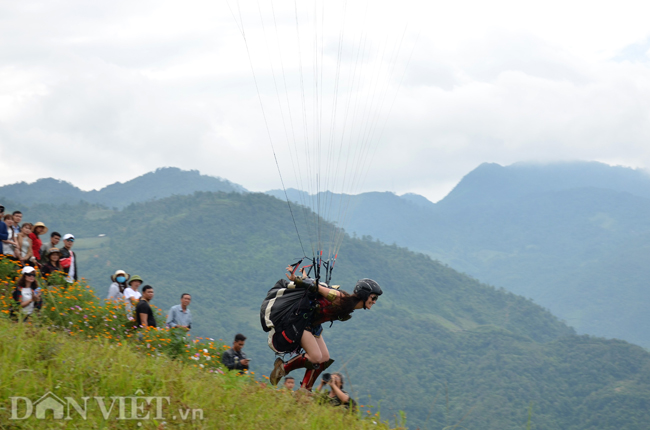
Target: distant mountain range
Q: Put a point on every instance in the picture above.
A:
(163, 182)
(575, 237)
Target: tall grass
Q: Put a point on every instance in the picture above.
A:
(80, 346)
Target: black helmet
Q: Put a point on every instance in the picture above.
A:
(365, 287)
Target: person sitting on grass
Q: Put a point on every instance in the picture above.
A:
(53, 264)
(27, 293)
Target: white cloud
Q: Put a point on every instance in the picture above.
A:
(105, 91)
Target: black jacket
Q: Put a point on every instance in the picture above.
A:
(232, 359)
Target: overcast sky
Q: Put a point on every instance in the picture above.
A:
(404, 96)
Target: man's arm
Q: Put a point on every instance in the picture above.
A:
(144, 318)
(171, 318)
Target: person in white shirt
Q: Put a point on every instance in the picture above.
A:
(27, 293)
(132, 295)
(9, 245)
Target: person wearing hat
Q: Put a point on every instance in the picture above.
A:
(38, 229)
(116, 290)
(53, 263)
(132, 295)
(69, 258)
(27, 295)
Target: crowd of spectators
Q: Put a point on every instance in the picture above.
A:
(125, 288)
(22, 243)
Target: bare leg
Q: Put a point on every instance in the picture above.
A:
(312, 347)
(325, 354)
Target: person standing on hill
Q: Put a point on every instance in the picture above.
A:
(116, 290)
(132, 295)
(235, 358)
(143, 313)
(38, 229)
(18, 218)
(55, 238)
(24, 248)
(68, 258)
(179, 316)
(27, 294)
(9, 245)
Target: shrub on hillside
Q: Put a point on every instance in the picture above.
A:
(76, 310)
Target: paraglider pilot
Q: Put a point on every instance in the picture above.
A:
(300, 326)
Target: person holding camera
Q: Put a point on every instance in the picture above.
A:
(336, 396)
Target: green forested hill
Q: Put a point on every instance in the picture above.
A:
(439, 345)
(160, 183)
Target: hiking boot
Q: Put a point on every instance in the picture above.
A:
(278, 371)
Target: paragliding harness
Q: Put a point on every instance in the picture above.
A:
(288, 310)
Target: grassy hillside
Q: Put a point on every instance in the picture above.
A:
(439, 345)
(36, 361)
